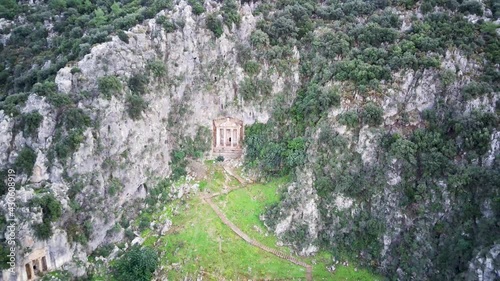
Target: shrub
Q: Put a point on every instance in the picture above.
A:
(230, 13)
(251, 67)
(214, 24)
(25, 161)
(58, 5)
(59, 100)
(137, 83)
(255, 88)
(75, 70)
(75, 118)
(104, 250)
(349, 119)
(156, 67)
(69, 144)
(475, 89)
(137, 264)
(43, 231)
(51, 210)
(45, 88)
(471, 6)
(219, 158)
(372, 114)
(136, 105)
(123, 36)
(31, 121)
(8, 9)
(109, 85)
(161, 20)
(259, 39)
(11, 104)
(51, 207)
(197, 6)
(114, 187)
(129, 234)
(169, 26)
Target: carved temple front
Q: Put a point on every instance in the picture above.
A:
(228, 135)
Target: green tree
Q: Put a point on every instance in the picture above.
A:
(58, 5)
(136, 105)
(372, 114)
(214, 24)
(25, 161)
(109, 85)
(136, 264)
(31, 121)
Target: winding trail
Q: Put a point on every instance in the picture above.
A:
(208, 199)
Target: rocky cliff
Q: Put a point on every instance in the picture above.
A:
(120, 158)
(385, 112)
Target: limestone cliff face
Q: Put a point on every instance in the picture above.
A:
(201, 84)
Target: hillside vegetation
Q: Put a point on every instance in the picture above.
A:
(389, 142)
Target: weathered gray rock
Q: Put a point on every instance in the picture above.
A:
(203, 75)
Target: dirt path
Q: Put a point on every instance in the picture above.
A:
(208, 199)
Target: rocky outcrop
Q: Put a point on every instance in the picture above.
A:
(410, 94)
(486, 265)
(201, 84)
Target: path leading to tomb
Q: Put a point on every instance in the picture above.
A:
(207, 198)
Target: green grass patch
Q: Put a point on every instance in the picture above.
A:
(244, 207)
(200, 244)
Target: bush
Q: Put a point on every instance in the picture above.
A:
(59, 100)
(136, 105)
(43, 231)
(51, 207)
(31, 121)
(219, 158)
(11, 104)
(69, 144)
(137, 264)
(372, 114)
(51, 210)
(109, 85)
(214, 24)
(115, 186)
(471, 6)
(169, 26)
(197, 6)
(259, 39)
(104, 250)
(75, 118)
(349, 119)
(25, 161)
(255, 88)
(476, 89)
(156, 67)
(138, 82)
(123, 36)
(251, 67)
(45, 88)
(230, 13)
(8, 9)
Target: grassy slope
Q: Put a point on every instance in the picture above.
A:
(193, 245)
(200, 244)
(244, 206)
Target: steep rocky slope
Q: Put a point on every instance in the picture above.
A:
(107, 177)
(385, 112)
